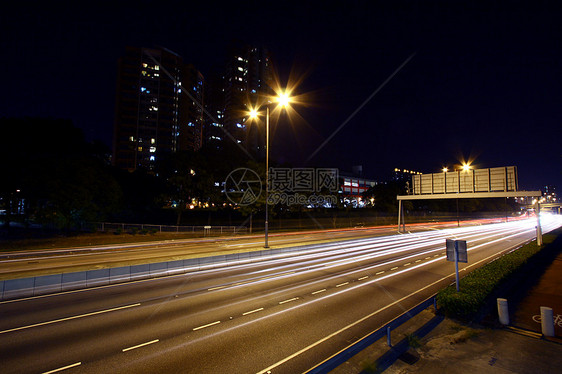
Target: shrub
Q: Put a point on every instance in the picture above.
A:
(479, 284)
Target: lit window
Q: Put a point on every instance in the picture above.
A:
(144, 64)
(143, 89)
(240, 69)
(152, 149)
(152, 158)
(139, 149)
(156, 67)
(152, 141)
(132, 138)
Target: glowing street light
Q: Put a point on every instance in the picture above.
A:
(465, 167)
(445, 169)
(283, 100)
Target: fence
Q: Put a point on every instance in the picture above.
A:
(149, 228)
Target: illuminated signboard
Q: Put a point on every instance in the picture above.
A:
(502, 179)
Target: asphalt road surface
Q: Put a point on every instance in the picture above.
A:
(283, 314)
(22, 264)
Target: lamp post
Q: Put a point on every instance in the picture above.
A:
(266, 244)
(283, 100)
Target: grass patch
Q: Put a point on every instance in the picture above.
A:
(413, 341)
(479, 284)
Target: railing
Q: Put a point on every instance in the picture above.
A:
(385, 330)
(150, 228)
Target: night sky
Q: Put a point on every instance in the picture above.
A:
(482, 82)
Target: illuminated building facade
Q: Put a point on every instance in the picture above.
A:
(246, 81)
(158, 107)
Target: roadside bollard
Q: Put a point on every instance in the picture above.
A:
(503, 311)
(547, 321)
(388, 342)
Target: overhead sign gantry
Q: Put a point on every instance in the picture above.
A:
(466, 184)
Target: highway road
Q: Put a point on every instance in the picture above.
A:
(21, 264)
(283, 314)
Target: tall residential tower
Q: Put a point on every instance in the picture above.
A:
(158, 108)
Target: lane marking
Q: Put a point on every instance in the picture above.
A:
(287, 301)
(252, 311)
(319, 291)
(365, 277)
(342, 284)
(207, 325)
(250, 281)
(394, 268)
(140, 345)
(380, 272)
(63, 368)
(69, 318)
(216, 288)
(418, 261)
(409, 263)
(290, 357)
(428, 257)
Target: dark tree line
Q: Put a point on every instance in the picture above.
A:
(60, 179)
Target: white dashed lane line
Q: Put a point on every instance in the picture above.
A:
(207, 325)
(288, 301)
(140, 345)
(252, 311)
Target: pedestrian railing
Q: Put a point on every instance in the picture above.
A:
(151, 228)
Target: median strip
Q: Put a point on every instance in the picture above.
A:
(140, 345)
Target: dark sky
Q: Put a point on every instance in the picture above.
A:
(484, 82)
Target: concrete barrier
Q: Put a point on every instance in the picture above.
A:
(46, 284)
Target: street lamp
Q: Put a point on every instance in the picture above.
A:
(283, 101)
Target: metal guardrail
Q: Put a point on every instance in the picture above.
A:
(358, 346)
(137, 228)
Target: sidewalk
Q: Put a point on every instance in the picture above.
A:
(452, 347)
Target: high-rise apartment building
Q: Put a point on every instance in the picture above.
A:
(158, 110)
(247, 82)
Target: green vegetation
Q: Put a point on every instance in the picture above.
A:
(479, 284)
(413, 340)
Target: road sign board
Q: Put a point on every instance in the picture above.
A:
(460, 248)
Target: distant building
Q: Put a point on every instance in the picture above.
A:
(246, 82)
(549, 194)
(158, 108)
(353, 185)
